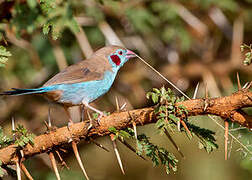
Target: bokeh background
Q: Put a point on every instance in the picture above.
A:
(187, 41)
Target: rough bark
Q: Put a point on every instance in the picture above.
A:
(229, 107)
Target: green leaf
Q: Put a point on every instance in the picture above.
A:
(155, 98)
(23, 137)
(173, 117)
(160, 123)
(148, 95)
(4, 54)
(206, 138)
(124, 134)
(158, 155)
(46, 28)
(113, 130)
(32, 3)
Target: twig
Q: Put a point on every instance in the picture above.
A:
(226, 139)
(238, 81)
(63, 163)
(109, 34)
(59, 55)
(26, 172)
(222, 107)
(83, 42)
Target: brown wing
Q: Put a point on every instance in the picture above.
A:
(83, 71)
(88, 70)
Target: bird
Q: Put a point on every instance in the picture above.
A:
(83, 82)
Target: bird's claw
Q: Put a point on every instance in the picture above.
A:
(100, 116)
(69, 124)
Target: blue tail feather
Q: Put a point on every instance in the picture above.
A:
(17, 92)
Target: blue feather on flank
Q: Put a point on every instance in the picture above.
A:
(73, 93)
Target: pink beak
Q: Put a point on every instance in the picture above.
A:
(130, 54)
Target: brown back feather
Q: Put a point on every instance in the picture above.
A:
(88, 70)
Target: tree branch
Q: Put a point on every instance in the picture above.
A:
(229, 107)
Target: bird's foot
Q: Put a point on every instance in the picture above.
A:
(101, 114)
(69, 124)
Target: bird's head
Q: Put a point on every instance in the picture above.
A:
(119, 56)
(116, 56)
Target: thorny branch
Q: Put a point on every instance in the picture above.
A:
(228, 107)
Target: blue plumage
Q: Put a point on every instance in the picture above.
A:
(83, 82)
(85, 91)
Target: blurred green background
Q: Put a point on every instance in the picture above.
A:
(187, 41)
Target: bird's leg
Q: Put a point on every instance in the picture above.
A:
(70, 121)
(82, 112)
(94, 109)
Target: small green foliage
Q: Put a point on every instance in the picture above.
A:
(248, 55)
(23, 137)
(58, 16)
(32, 3)
(52, 16)
(4, 54)
(4, 140)
(144, 21)
(122, 134)
(157, 154)
(206, 137)
(169, 116)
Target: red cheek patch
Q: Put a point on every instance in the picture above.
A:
(116, 59)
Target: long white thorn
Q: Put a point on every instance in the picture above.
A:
(135, 130)
(230, 134)
(245, 85)
(18, 170)
(123, 106)
(77, 155)
(49, 117)
(152, 68)
(117, 104)
(117, 154)
(54, 165)
(196, 91)
(13, 123)
(13, 128)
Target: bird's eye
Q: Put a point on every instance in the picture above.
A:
(120, 52)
